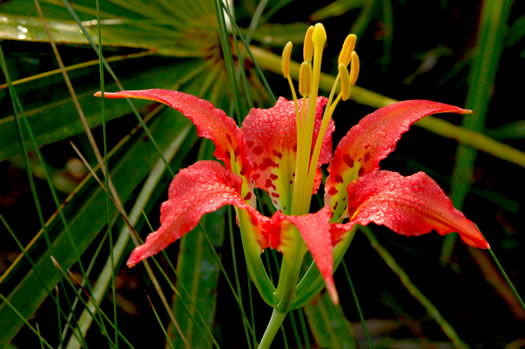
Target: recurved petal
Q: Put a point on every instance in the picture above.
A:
(370, 141)
(201, 188)
(410, 206)
(271, 145)
(211, 123)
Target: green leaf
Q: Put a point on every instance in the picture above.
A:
(58, 120)
(170, 43)
(512, 130)
(279, 34)
(329, 325)
(151, 192)
(431, 309)
(489, 47)
(198, 274)
(85, 222)
(337, 8)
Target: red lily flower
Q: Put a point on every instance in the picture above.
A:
(264, 151)
(271, 152)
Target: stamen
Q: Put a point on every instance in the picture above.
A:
(354, 68)
(345, 81)
(308, 47)
(285, 63)
(305, 78)
(309, 76)
(302, 188)
(348, 48)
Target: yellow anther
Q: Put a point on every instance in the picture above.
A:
(354, 68)
(348, 48)
(308, 47)
(285, 63)
(305, 78)
(345, 81)
(319, 36)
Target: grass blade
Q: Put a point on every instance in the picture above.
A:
(101, 285)
(84, 223)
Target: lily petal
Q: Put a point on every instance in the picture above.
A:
(271, 140)
(315, 230)
(369, 142)
(211, 123)
(201, 188)
(409, 206)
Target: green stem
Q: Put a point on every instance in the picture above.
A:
(288, 277)
(271, 330)
(253, 260)
(285, 293)
(290, 269)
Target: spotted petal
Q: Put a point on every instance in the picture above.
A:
(369, 142)
(210, 122)
(201, 188)
(410, 206)
(271, 140)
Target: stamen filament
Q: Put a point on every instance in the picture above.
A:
(331, 95)
(303, 115)
(312, 166)
(294, 96)
(329, 111)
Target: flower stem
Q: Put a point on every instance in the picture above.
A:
(253, 261)
(288, 278)
(285, 293)
(271, 330)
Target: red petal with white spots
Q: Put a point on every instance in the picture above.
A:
(370, 141)
(271, 143)
(315, 230)
(201, 188)
(210, 122)
(410, 206)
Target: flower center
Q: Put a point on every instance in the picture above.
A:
(308, 152)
